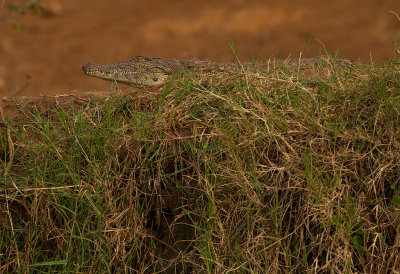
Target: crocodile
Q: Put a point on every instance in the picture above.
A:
(154, 71)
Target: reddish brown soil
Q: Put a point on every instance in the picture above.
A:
(52, 46)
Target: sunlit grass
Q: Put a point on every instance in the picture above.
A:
(282, 171)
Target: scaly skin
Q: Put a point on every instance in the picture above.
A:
(153, 71)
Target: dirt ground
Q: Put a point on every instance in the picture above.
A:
(46, 55)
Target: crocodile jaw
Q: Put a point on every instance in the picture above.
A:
(126, 74)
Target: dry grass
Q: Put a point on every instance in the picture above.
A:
(285, 172)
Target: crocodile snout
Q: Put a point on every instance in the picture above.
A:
(88, 67)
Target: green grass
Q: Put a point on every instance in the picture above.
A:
(281, 172)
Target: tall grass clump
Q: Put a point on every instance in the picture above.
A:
(290, 170)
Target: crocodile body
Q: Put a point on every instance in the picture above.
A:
(152, 71)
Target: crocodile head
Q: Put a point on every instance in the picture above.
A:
(140, 70)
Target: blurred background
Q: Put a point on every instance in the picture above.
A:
(43, 44)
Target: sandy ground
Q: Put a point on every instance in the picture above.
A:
(46, 56)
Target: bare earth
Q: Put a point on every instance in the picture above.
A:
(48, 53)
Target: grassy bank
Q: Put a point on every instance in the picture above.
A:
(290, 171)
